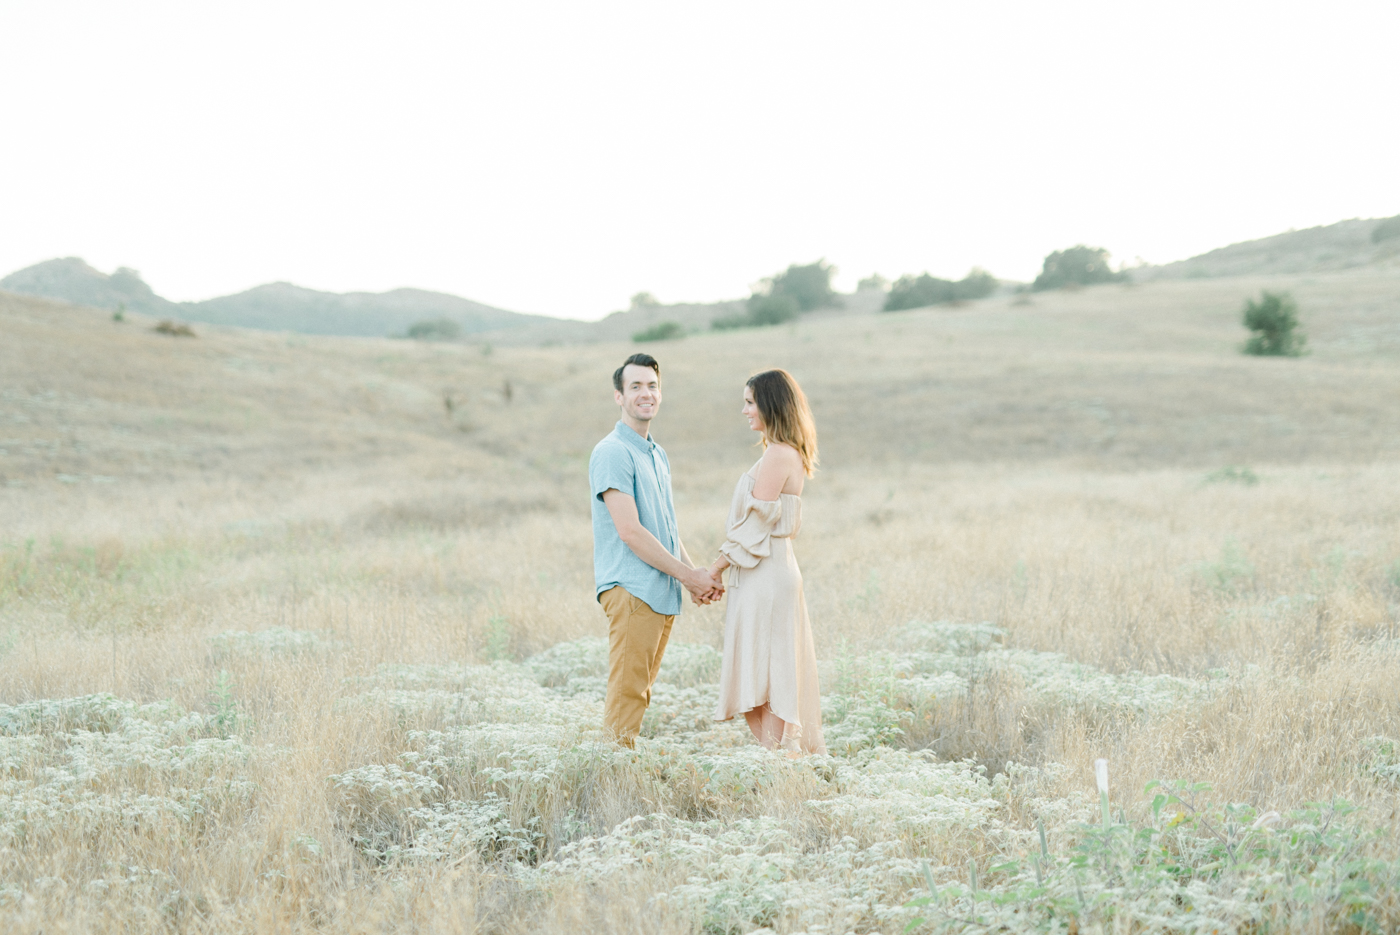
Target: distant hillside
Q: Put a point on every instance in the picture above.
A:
(1344, 245)
(278, 306)
(282, 306)
(71, 280)
(691, 316)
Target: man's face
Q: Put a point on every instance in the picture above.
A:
(640, 396)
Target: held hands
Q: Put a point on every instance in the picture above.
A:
(704, 586)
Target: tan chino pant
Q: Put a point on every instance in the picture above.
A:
(637, 638)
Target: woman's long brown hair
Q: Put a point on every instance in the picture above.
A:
(786, 416)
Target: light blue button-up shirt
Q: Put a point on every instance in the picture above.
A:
(638, 467)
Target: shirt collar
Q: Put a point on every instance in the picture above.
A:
(627, 434)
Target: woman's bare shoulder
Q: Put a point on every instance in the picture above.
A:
(781, 452)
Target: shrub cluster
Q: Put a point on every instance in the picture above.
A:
(923, 290)
(1077, 266)
(661, 331)
(439, 329)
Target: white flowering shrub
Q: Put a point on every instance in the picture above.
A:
(506, 767)
(99, 767)
(940, 661)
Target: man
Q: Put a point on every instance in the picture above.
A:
(639, 563)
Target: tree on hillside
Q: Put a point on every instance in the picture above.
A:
(809, 286)
(873, 283)
(924, 290)
(783, 296)
(1274, 321)
(644, 300)
(1077, 266)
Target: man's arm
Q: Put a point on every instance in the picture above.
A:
(717, 583)
(623, 510)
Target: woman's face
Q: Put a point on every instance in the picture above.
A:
(750, 410)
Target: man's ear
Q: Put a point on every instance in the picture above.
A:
(617, 397)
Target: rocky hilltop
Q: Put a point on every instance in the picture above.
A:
(72, 280)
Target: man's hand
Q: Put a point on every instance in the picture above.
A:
(702, 586)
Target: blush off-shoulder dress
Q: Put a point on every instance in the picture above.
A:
(768, 651)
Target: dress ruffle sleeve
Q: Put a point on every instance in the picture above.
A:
(749, 539)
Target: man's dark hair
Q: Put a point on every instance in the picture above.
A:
(641, 360)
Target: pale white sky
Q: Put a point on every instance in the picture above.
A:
(557, 157)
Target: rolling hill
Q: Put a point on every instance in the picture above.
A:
(283, 306)
(278, 306)
(1347, 244)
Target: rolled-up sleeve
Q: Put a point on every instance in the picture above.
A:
(611, 468)
(749, 540)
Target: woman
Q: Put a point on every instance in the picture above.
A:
(770, 665)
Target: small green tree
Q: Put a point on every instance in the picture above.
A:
(644, 300)
(1274, 321)
(809, 286)
(661, 331)
(1077, 266)
(873, 283)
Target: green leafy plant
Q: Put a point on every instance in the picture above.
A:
(1193, 866)
(1274, 321)
(227, 713)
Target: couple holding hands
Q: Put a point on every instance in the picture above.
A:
(641, 568)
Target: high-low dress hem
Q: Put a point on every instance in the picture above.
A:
(769, 657)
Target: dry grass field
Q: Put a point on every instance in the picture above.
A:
(296, 634)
